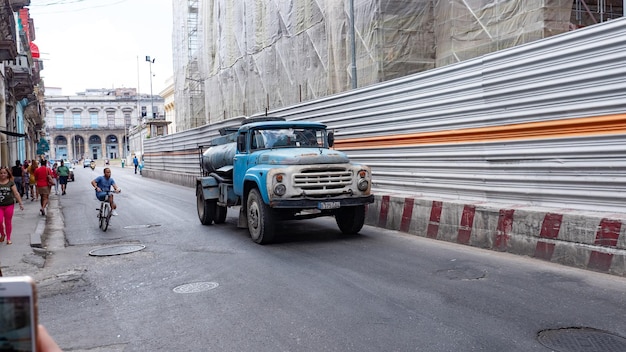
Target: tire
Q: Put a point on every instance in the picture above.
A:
(105, 215)
(261, 223)
(220, 214)
(107, 219)
(206, 208)
(350, 219)
(100, 218)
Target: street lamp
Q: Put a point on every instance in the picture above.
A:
(151, 61)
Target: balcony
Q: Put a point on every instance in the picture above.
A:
(8, 43)
(21, 77)
(18, 4)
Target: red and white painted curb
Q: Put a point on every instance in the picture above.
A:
(594, 241)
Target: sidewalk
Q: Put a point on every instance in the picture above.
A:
(26, 255)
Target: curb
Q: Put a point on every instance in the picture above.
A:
(592, 241)
(35, 237)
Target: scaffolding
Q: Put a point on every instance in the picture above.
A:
(250, 56)
(188, 83)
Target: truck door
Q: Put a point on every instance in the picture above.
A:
(240, 163)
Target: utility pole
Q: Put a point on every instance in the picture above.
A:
(151, 61)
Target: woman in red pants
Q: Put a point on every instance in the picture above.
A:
(8, 196)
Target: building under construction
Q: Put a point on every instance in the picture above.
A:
(235, 58)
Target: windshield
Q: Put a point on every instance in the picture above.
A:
(288, 138)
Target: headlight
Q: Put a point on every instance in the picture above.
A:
(280, 189)
(363, 185)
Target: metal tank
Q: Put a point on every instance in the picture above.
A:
(218, 156)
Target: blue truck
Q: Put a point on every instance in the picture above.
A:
(277, 170)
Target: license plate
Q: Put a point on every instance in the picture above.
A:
(328, 205)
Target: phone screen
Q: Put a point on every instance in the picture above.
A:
(17, 321)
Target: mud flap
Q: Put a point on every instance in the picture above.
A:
(242, 222)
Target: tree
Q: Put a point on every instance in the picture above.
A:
(42, 146)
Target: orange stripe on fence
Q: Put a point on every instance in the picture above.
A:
(578, 127)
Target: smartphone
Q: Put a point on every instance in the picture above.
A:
(18, 314)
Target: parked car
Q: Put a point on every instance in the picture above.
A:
(70, 176)
(86, 163)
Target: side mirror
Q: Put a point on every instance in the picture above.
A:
(331, 139)
(241, 142)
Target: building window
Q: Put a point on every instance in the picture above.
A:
(126, 119)
(59, 119)
(76, 117)
(93, 116)
(111, 119)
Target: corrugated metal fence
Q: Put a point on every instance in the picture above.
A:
(538, 124)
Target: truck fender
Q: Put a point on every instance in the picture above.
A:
(254, 180)
(209, 186)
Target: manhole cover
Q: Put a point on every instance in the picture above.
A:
(116, 250)
(196, 287)
(581, 339)
(141, 226)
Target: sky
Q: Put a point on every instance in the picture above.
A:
(92, 44)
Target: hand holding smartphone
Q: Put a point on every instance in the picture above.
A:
(18, 314)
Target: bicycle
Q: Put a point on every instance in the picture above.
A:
(104, 212)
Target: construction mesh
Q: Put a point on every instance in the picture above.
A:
(245, 57)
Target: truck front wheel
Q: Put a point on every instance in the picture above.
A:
(350, 219)
(206, 208)
(260, 218)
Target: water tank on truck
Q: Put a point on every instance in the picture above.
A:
(218, 156)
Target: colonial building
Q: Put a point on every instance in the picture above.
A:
(170, 109)
(102, 123)
(21, 88)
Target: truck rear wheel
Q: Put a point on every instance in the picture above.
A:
(220, 214)
(206, 208)
(350, 219)
(260, 218)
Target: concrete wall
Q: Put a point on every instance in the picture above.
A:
(594, 241)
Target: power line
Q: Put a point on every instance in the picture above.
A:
(58, 4)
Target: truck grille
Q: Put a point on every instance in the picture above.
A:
(323, 179)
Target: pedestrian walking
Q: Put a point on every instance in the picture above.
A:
(64, 173)
(17, 172)
(55, 176)
(8, 196)
(25, 178)
(31, 180)
(135, 162)
(43, 185)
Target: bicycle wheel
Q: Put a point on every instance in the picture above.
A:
(109, 213)
(105, 215)
(100, 211)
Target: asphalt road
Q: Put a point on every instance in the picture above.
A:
(210, 288)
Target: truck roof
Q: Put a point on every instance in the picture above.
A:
(281, 124)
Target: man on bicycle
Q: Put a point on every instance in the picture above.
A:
(102, 185)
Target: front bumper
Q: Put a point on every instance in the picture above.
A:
(314, 203)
